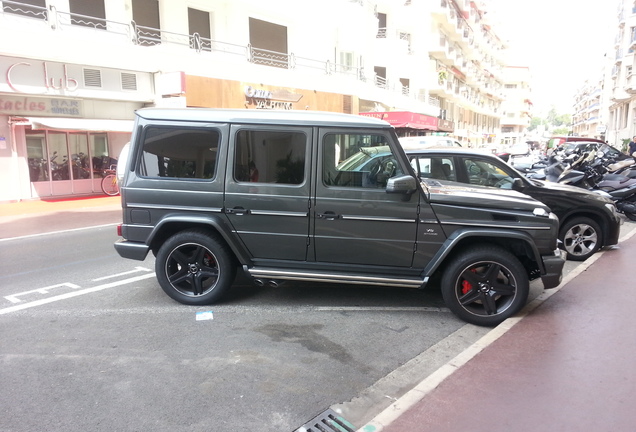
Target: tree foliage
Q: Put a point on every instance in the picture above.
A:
(559, 124)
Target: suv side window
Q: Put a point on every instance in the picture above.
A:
(358, 160)
(484, 173)
(172, 152)
(436, 167)
(270, 157)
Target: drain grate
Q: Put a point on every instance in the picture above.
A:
(328, 421)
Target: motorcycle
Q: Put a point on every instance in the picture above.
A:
(593, 173)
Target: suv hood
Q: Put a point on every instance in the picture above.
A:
(461, 194)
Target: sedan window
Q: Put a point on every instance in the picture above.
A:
(438, 168)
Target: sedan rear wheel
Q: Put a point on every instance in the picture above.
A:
(581, 238)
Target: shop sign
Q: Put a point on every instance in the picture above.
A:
(36, 106)
(271, 99)
(446, 125)
(52, 82)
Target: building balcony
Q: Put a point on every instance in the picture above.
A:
(630, 84)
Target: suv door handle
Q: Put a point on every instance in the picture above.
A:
(328, 215)
(237, 211)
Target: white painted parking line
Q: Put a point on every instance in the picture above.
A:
(137, 269)
(74, 294)
(57, 232)
(14, 298)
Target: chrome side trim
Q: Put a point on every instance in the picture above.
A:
(278, 213)
(507, 226)
(334, 277)
(169, 207)
(376, 219)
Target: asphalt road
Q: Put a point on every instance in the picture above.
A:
(90, 342)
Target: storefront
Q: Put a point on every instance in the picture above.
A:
(407, 123)
(217, 93)
(62, 124)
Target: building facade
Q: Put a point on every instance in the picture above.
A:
(517, 106)
(605, 105)
(74, 71)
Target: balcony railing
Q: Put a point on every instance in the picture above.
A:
(25, 10)
(144, 36)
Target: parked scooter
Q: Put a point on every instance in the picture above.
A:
(592, 173)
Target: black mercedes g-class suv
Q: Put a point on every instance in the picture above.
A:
(287, 195)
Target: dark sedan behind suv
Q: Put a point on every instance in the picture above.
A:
(588, 221)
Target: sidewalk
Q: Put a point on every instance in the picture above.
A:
(55, 205)
(23, 218)
(566, 367)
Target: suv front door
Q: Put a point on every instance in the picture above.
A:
(355, 220)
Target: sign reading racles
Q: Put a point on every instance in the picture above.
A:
(274, 99)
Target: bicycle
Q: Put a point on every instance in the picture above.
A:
(109, 182)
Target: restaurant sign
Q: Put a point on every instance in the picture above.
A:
(271, 99)
(38, 106)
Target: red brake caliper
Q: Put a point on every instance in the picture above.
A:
(467, 286)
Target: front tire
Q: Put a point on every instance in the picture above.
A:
(485, 285)
(194, 268)
(581, 238)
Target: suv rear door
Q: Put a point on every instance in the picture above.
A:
(267, 189)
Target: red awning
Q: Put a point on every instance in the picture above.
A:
(405, 119)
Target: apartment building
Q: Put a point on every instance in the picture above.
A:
(72, 72)
(517, 106)
(605, 107)
(589, 118)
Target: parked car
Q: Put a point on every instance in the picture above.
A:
(588, 221)
(428, 141)
(557, 141)
(318, 211)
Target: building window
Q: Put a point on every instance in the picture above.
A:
(147, 24)
(28, 8)
(199, 29)
(88, 13)
(269, 43)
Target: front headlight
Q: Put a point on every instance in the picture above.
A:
(539, 211)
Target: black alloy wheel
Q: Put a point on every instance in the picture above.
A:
(484, 285)
(195, 268)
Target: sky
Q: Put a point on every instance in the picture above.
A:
(562, 41)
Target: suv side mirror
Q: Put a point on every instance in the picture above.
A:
(517, 184)
(405, 184)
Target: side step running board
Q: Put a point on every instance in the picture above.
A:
(347, 278)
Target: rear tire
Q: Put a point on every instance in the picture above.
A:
(194, 268)
(581, 238)
(484, 285)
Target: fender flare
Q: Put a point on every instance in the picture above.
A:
(458, 236)
(216, 222)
